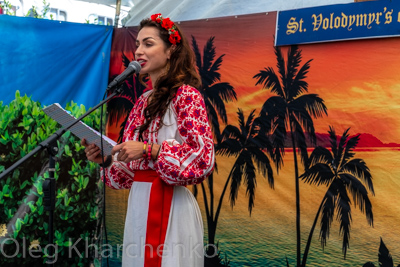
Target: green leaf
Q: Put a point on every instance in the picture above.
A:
(6, 190)
(10, 213)
(18, 224)
(26, 218)
(39, 188)
(67, 151)
(15, 234)
(24, 184)
(57, 234)
(85, 182)
(41, 210)
(67, 200)
(32, 206)
(62, 193)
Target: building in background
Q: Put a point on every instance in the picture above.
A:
(67, 10)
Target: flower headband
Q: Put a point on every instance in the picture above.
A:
(167, 24)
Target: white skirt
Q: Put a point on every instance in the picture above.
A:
(183, 245)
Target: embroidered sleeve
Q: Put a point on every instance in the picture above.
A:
(192, 160)
(120, 175)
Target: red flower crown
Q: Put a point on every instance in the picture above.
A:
(167, 24)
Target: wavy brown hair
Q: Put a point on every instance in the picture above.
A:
(181, 71)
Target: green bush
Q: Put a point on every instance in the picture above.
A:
(23, 219)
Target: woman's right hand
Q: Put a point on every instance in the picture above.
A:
(92, 152)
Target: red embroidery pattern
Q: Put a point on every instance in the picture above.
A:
(178, 164)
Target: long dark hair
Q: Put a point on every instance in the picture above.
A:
(181, 71)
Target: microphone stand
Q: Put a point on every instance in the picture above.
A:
(49, 185)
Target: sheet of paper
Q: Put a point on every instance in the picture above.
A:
(80, 129)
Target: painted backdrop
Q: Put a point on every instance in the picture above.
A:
(307, 145)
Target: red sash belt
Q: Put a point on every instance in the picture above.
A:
(158, 215)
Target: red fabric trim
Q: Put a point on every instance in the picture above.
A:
(158, 216)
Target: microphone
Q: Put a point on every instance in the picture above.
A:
(133, 67)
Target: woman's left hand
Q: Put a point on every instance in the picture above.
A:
(128, 151)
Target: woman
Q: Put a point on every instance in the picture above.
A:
(167, 145)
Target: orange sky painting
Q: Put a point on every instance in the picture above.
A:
(358, 80)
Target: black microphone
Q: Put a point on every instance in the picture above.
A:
(133, 67)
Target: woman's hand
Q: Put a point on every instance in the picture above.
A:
(92, 152)
(128, 151)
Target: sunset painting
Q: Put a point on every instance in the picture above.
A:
(307, 140)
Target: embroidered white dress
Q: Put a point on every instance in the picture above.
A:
(186, 157)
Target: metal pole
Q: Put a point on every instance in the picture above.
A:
(117, 12)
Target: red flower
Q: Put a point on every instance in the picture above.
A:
(175, 38)
(155, 16)
(167, 24)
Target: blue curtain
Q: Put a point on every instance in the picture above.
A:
(53, 61)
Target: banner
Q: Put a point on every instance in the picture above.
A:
(371, 19)
(53, 61)
(348, 213)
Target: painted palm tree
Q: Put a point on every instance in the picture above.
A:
(291, 112)
(248, 147)
(215, 92)
(345, 177)
(384, 257)
(120, 106)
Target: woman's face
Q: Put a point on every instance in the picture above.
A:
(151, 52)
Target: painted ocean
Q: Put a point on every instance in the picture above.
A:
(267, 237)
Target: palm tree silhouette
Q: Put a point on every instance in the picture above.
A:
(384, 257)
(215, 94)
(247, 145)
(344, 176)
(120, 105)
(290, 111)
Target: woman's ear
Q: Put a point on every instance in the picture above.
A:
(170, 50)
